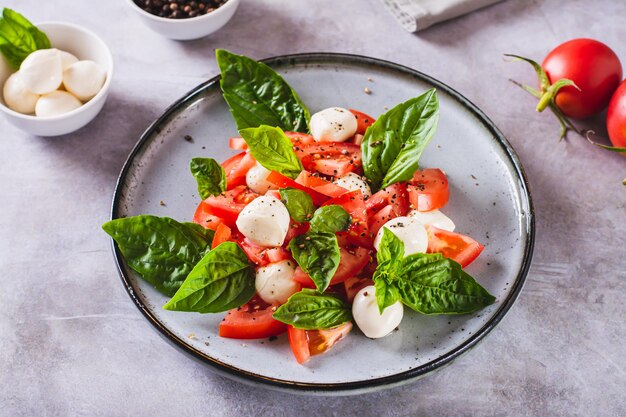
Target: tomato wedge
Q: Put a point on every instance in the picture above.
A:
(260, 255)
(204, 218)
(236, 168)
(307, 343)
(352, 262)
(353, 285)
(363, 121)
(238, 144)
(330, 158)
(320, 184)
(460, 248)
(229, 204)
(395, 195)
(428, 190)
(354, 203)
(298, 138)
(281, 181)
(252, 321)
(222, 234)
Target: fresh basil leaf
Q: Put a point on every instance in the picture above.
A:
(330, 219)
(393, 145)
(222, 280)
(19, 38)
(311, 310)
(391, 248)
(257, 95)
(386, 294)
(432, 284)
(317, 253)
(161, 250)
(298, 203)
(209, 175)
(272, 149)
(206, 234)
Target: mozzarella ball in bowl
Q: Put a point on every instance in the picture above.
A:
(84, 79)
(56, 103)
(17, 97)
(42, 71)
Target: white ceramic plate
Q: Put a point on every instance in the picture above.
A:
(489, 201)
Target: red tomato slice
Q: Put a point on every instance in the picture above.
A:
(363, 121)
(281, 181)
(295, 229)
(378, 219)
(352, 262)
(307, 343)
(395, 196)
(320, 184)
(428, 190)
(354, 204)
(252, 321)
(260, 255)
(204, 218)
(299, 138)
(353, 285)
(330, 158)
(460, 248)
(238, 144)
(228, 205)
(236, 168)
(222, 234)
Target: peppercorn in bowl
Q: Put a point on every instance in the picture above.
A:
(184, 19)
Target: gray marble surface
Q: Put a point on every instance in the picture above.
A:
(73, 344)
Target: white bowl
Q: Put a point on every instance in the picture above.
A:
(84, 44)
(189, 28)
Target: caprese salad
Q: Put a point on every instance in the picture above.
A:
(317, 223)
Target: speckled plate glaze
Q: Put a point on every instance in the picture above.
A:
(489, 201)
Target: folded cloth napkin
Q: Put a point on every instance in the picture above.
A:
(415, 15)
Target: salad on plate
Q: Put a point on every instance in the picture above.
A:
(317, 224)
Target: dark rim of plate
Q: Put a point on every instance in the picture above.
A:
(342, 387)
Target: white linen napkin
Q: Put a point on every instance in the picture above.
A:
(415, 15)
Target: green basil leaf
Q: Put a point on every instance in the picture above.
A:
(391, 248)
(432, 284)
(298, 203)
(209, 175)
(161, 250)
(317, 253)
(311, 310)
(393, 145)
(222, 280)
(257, 95)
(206, 234)
(19, 37)
(330, 219)
(386, 294)
(272, 149)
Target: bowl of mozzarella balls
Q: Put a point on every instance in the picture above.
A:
(58, 90)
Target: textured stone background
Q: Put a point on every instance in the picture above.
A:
(73, 344)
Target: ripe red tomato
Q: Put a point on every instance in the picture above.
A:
(352, 262)
(236, 168)
(252, 321)
(320, 185)
(281, 181)
(460, 248)
(354, 204)
(335, 159)
(228, 205)
(616, 117)
(593, 67)
(223, 234)
(306, 343)
(363, 121)
(428, 190)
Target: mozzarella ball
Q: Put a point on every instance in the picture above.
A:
(265, 221)
(67, 59)
(367, 315)
(56, 104)
(274, 282)
(84, 79)
(411, 232)
(433, 218)
(42, 71)
(333, 125)
(256, 178)
(17, 97)
(353, 182)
